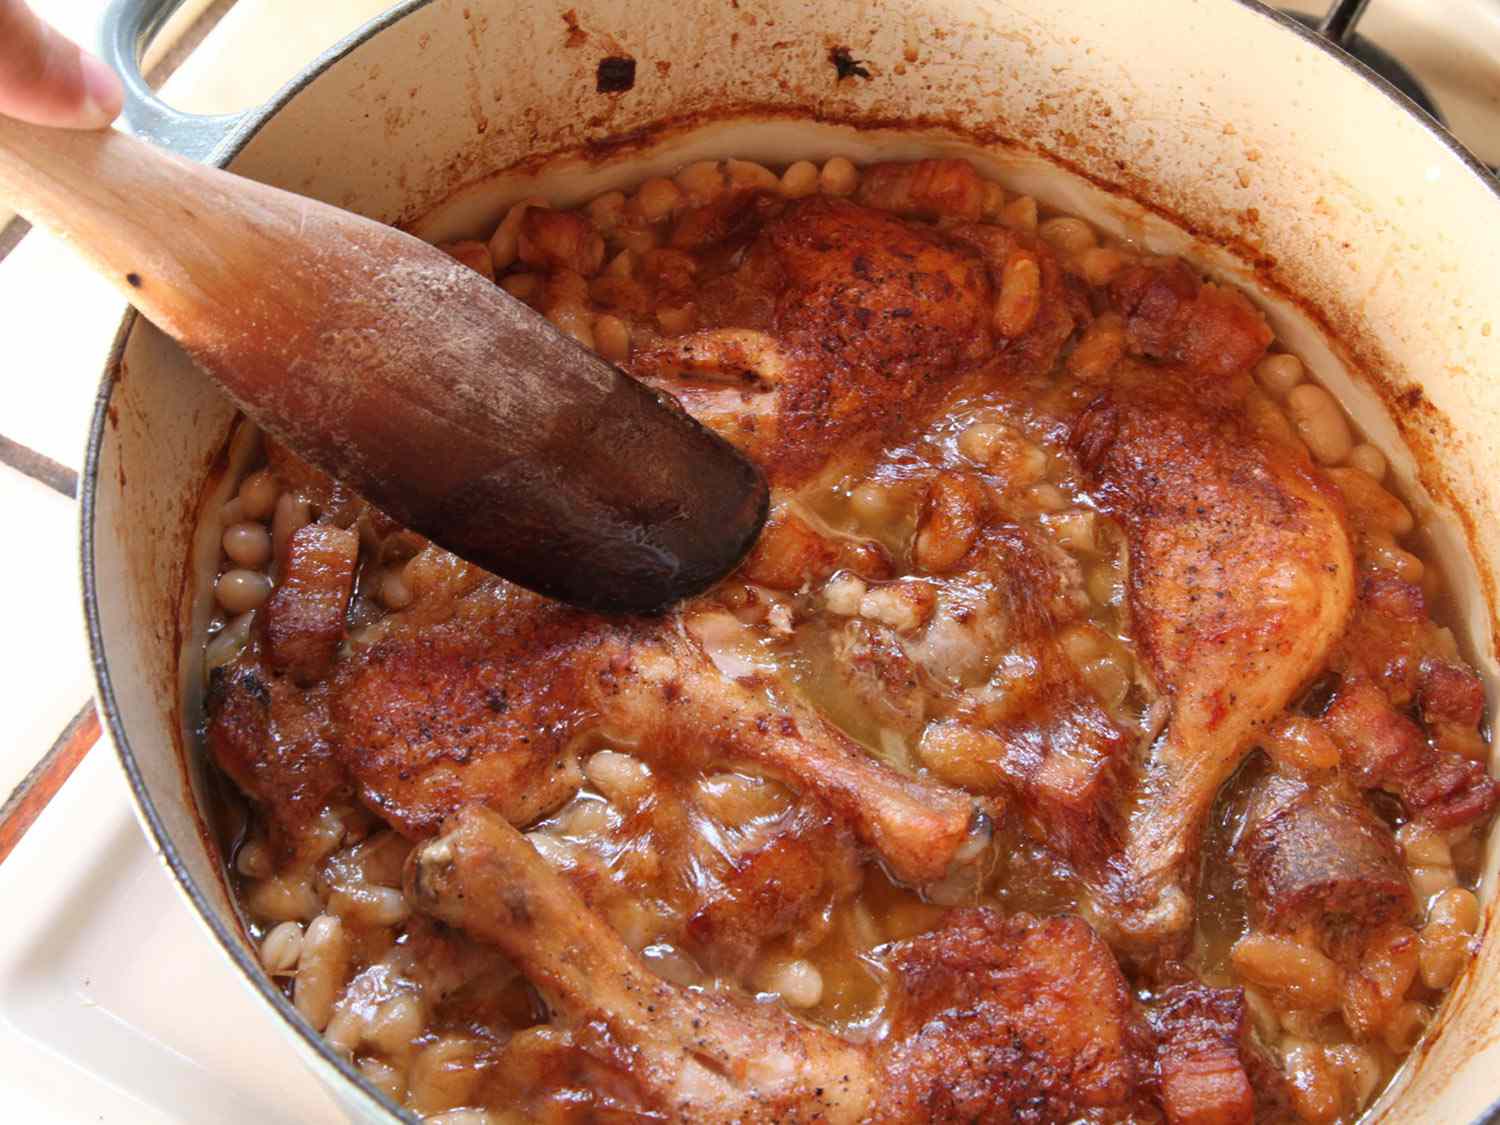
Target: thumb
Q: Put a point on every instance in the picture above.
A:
(47, 80)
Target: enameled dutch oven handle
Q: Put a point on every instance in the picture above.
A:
(127, 28)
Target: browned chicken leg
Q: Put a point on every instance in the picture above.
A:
(692, 1055)
(995, 1019)
(1242, 579)
(495, 704)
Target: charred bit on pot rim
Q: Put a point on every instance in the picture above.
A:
(846, 64)
(615, 75)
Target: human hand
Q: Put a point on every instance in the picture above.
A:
(47, 80)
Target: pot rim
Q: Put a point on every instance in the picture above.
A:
(234, 142)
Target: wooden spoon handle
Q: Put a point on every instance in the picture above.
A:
(455, 408)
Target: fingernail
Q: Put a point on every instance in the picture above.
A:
(102, 93)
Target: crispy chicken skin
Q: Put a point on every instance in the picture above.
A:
(272, 740)
(1016, 1019)
(872, 319)
(1241, 582)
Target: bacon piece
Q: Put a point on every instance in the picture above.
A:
(1172, 314)
(924, 189)
(1202, 1038)
(1386, 750)
(1316, 855)
(305, 614)
(1386, 637)
(1450, 693)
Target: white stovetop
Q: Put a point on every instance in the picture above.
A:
(115, 1005)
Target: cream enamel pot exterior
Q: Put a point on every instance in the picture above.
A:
(1212, 128)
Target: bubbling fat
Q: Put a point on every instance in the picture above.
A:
(424, 1012)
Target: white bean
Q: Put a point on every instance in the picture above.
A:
(393, 591)
(396, 1023)
(800, 179)
(620, 777)
(293, 513)
(444, 1076)
(1320, 423)
(1279, 374)
(323, 969)
(248, 544)
(839, 177)
(282, 948)
(226, 644)
(239, 591)
(798, 983)
(1368, 459)
(372, 905)
(656, 199)
(703, 181)
(254, 859)
(258, 494)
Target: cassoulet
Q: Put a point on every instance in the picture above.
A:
(1082, 740)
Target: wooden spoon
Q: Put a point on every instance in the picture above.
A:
(439, 397)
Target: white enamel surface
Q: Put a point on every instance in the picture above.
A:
(98, 1026)
(1342, 199)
